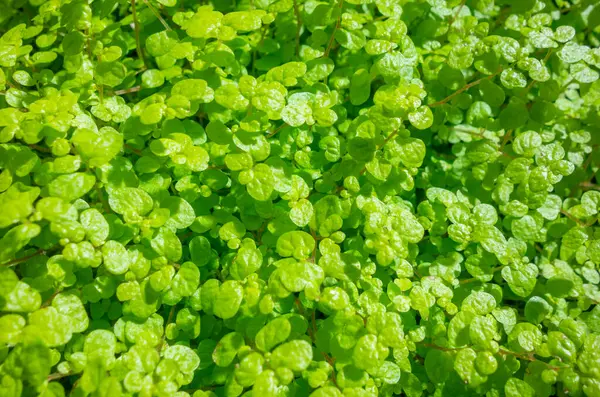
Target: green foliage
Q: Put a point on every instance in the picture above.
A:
(299, 198)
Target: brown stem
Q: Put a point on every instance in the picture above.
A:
(455, 17)
(580, 223)
(128, 90)
(136, 28)
(501, 351)
(314, 253)
(312, 327)
(389, 138)
(48, 301)
(134, 150)
(157, 15)
(57, 375)
(14, 262)
(40, 148)
(442, 348)
(590, 186)
(335, 28)
(507, 136)
(477, 134)
(331, 361)
(588, 161)
(463, 89)
(277, 130)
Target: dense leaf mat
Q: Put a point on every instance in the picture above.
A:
(290, 198)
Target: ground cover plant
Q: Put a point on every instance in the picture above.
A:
(273, 198)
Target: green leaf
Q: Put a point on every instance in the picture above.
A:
(300, 245)
(72, 186)
(110, 73)
(421, 118)
(97, 147)
(272, 334)
(194, 90)
(227, 349)
(130, 200)
(295, 355)
(262, 184)
(516, 387)
(200, 250)
(228, 301)
(187, 360)
(115, 257)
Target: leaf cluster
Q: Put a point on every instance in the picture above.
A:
(299, 198)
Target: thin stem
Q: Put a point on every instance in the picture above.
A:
(14, 262)
(298, 26)
(463, 89)
(530, 357)
(588, 161)
(136, 28)
(48, 301)
(314, 253)
(501, 351)
(335, 28)
(277, 130)
(470, 280)
(477, 134)
(442, 348)
(169, 319)
(312, 328)
(101, 198)
(507, 136)
(590, 186)
(580, 223)
(128, 90)
(455, 17)
(389, 138)
(40, 148)
(530, 85)
(58, 375)
(134, 150)
(157, 15)
(331, 361)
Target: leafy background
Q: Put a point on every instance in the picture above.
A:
(289, 198)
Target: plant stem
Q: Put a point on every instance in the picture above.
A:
(389, 138)
(335, 28)
(128, 90)
(463, 89)
(277, 130)
(57, 375)
(455, 17)
(14, 262)
(169, 319)
(40, 148)
(136, 28)
(589, 186)
(134, 150)
(501, 351)
(157, 15)
(507, 136)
